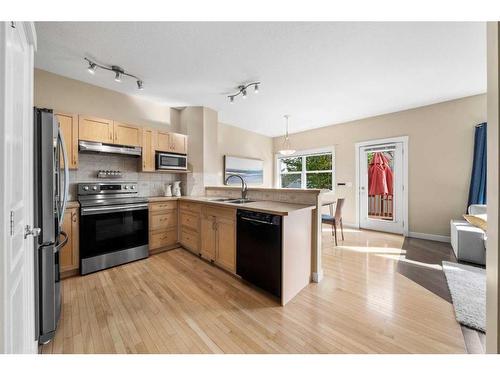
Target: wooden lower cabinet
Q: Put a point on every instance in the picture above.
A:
(218, 236)
(226, 244)
(162, 226)
(208, 237)
(69, 255)
(189, 226)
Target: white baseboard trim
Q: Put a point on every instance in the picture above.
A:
(432, 237)
(317, 276)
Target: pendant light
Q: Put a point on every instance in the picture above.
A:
(286, 149)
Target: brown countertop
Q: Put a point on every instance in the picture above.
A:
(162, 199)
(271, 207)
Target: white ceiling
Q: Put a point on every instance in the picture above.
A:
(319, 73)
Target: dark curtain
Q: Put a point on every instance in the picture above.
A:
(477, 190)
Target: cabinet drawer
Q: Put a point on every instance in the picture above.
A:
(190, 206)
(190, 240)
(162, 206)
(226, 213)
(190, 220)
(162, 238)
(163, 220)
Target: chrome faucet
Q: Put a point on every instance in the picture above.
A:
(244, 187)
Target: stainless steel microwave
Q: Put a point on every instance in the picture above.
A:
(171, 161)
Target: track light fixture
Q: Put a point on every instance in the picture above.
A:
(242, 90)
(119, 72)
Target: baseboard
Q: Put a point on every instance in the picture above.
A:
(431, 237)
(317, 276)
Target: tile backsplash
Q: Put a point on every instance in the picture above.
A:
(150, 183)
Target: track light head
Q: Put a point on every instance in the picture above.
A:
(117, 77)
(231, 99)
(256, 88)
(139, 85)
(244, 93)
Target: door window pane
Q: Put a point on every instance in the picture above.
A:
(319, 162)
(380, 168)
(319, 180)
(291, 181)
(291, 165)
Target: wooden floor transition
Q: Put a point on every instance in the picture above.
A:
(174, 302)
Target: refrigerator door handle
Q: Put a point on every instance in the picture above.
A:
(60, 139)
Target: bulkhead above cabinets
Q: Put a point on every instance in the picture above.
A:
(75, 128)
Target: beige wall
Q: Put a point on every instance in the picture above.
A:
(69, 95)
(440, 157)
(234, 141)
(492, 259)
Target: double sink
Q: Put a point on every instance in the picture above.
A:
(231, 200)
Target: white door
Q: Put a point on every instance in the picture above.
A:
(381, 177)
(17, 325)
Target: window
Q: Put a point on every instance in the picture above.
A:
(312, 170)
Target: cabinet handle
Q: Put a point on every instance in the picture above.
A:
(73, 217)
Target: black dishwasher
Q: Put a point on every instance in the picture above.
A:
(258, 250)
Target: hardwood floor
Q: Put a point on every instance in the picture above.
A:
(174, 302)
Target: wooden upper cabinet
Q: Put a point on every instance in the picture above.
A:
(148, 150)
(163, 141)
(68, 123)
(178, 143)
(95, 129)
(171, 142)
(127, 135)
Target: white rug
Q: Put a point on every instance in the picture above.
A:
(467, 286)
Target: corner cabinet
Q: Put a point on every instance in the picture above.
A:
(218, 236)
(69, 255)
(68, 124)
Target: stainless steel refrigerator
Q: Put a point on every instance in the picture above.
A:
(51, 195)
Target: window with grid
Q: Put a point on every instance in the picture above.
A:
(306, 171)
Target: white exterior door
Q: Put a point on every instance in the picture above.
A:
(17, 302)
(381, 187)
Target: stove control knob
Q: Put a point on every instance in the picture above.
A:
(94, 188)
(125, 187)
(86, 188)
(132, 187)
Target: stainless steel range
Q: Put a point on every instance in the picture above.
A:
(113, 225)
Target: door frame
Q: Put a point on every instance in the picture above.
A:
(381, 141)
(31, 344)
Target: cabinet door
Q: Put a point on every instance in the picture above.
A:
(208, 238)
(127, 135)
(148, 152)
(178, 143)
(68, 124)
(95, 129)
(163, 142)
(226, 244)
(69, 254)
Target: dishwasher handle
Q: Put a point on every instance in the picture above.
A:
(257, 221)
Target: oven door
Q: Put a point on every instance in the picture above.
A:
(112, 229)
(171, 161)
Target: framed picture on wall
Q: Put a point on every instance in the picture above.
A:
(252, 170)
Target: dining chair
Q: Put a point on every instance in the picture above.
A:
(336, 219)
